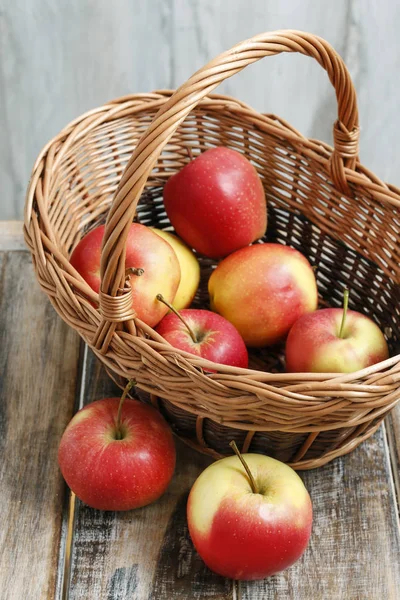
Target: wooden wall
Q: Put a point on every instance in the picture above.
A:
(59, 59)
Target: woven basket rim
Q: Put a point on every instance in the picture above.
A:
(145, 102)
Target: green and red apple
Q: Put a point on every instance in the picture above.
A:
(147, 253)
(246, 531)
(262, 290)
(334, 340)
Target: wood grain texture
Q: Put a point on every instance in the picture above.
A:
(11, 236)
(392, 424)
(355, 545)
(38, 365)
(57, 60)
(147, 554)
(144, 554)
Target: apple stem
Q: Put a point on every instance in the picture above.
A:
(345, 305)
(246, 466)
(127, 388)
(134, 271)
(161, 298)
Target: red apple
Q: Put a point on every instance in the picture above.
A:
(318, 343)
(111, 467)
(216, 203)
(205, 334)
(246, 531)
(263, 289)
(145, 250)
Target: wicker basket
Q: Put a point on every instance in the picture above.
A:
(321, 201)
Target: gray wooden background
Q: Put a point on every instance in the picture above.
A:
(61, 58)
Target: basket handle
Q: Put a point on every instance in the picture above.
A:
(171, 115)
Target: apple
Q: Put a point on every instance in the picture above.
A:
(205, 334)
(156, 267)
(190, 269)
(117, 459)
(263, 289)
(334, 340)
(249, 522)
(216, 203)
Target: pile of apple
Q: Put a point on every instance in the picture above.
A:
(258, 292)
(249, 516)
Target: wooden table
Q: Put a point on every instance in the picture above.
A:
(51, 546)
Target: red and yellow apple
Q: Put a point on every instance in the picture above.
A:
(117, 468)
(144, 250)
(262, 290)
(190, 269)
(216, 203)
(316, 344)
(243, 533)
(205, 334)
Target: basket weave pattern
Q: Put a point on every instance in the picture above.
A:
(110, 166)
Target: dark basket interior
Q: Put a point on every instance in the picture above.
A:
(300, 196)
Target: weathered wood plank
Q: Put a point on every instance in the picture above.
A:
(392, 424)
(147, 553)
(144, 554)
(38, 365)
(355, 546)
(11, 236)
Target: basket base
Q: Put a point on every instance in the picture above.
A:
(300, 451)
(302, 465)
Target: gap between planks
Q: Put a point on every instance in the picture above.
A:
(236, 590)
(392, 456)
(67, 537)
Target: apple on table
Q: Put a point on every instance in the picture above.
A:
(251, 520)
(334, 340)
(216, 203)
(117, 454)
